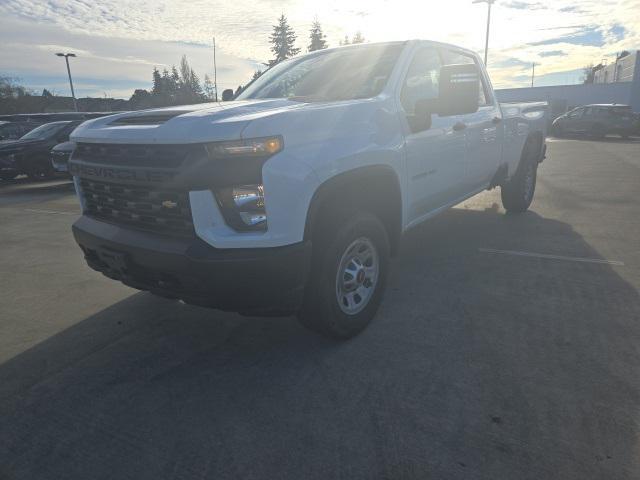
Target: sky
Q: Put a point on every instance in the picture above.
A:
(118, 42)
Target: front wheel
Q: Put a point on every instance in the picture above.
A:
(348, 274)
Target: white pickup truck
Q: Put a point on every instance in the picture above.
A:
(292, 198)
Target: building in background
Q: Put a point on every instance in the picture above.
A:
(615, 83)
(621, 71)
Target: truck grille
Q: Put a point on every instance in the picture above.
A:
(161, 156)
(162, 211)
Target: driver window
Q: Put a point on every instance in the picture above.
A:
(421, 81)
(455, 58)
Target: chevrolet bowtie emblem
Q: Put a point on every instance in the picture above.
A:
(169, 204)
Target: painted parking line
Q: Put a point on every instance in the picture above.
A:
(33, 210)
(551, 257)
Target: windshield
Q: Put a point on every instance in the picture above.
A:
(341, 74)
(44, 131)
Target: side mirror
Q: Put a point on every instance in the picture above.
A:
(227, 95)
(459, 89)
(421, 119)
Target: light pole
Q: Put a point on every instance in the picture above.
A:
(486, 41)
(215, 71)
(533, 73)
(66, 58)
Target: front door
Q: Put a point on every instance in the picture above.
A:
(483, 130)
(435, 154)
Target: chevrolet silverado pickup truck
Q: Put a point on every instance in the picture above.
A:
(293, 197)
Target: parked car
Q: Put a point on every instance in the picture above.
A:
(60, 156)
(30, 154)
(597, 121)
(11, 131)
(293, 197)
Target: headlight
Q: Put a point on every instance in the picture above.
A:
(253, 147)
(243, 207)
(242, 202)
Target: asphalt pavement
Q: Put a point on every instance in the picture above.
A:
(507, 347)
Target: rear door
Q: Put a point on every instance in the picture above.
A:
(484, 131)
(435, 155)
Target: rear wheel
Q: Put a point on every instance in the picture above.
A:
(517, 194)
(348, 274)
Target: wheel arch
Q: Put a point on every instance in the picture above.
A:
(373, 188)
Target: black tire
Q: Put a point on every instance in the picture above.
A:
(517, 194)
(321, 310)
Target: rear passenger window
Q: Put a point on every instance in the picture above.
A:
(421, 82)
(452, 57)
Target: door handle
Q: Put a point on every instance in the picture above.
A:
(459, 126)
(496, 120)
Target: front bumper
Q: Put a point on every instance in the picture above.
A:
(256, 281)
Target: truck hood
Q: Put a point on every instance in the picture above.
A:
(205, 122)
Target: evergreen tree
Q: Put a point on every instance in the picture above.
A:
(140, 99)
(175, 77)
(357, 38)
(157, 89)
(317, 39)
(207, 86)
(256, 75)
(189, 89)
(171, 85)
(283, 41)
(196, 92)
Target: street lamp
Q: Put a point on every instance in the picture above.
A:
(486, 42)
(66, 58)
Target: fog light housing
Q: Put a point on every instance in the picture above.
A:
(243, 207)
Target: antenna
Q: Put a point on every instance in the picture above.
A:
(215, 72)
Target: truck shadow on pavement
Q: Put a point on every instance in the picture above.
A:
(477, 366)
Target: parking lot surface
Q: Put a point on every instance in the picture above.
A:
(507, 347)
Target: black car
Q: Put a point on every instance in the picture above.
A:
(14, 130)
(597, 121)
(30, 154)
(60, 156)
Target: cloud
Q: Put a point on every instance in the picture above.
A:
(587, 36)
(523, 5)
(125, 38)
(552, 53)
(618, 31)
